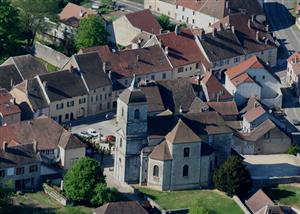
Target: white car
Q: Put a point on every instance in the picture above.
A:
(92, 132)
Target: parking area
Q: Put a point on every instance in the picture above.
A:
(272, 166)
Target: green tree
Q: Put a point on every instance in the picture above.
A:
(232, 177)
(6, 192)
(82, 179)
(164, 21)
(293, 149)
(33, 13)
(103, 194)
(9, 28)
(91, 32)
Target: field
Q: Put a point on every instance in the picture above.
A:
(208, 201)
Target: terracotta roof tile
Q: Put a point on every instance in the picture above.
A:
(145, 21)
(258, 201)
(224, 108)
(253, 114)
(7, 107)
(161, 152)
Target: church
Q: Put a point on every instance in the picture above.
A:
(167, 151)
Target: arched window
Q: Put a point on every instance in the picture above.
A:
(155, 171)
(137, 114)
(185, 171)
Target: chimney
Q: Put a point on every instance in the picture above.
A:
(267, 28)
(249, 23)
(232, 29)
(35, 146)
(180, 109)
(214, 32)
(257, 36)
(177, 30)
(81, 13)
(11, 83)
(227, 4)
(4, 146)
(252, 18)
(137, 58)
(45, 85)
(266, 41)
(167, 50)
(104, 67)
(160, 31)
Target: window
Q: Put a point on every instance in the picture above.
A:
(193, 21)
(182, 17)
(2, 173)
(227, 61)
(108, 105)
(59, 106)
(236, 59)
(150, 6)
(20, 171)
(100, 107)
(155, 171)
(82, 100)
(193, 12)
(186, 152)
(67, 116)
(152, 77)
(100, 96)
(180, 70)
(121, 141)
(137, 114)
(10, 171)
(122, 112)
(158, 9)
(103, 89)
(197, 65)
(263, 77)
(126, 82)
(183, 9)
(70, 103)
(169, 13)
(164, 76)
(185, 171)
(96, 98)
(33, 168)
(105, 96)
(92, 99)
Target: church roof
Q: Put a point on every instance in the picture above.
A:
(161, 152)
(181, 133)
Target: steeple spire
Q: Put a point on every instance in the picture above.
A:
(131, 88)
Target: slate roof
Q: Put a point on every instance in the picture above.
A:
(27, 65)
(35, 96)
(72, 13)
(9, 76)
(161, 152)
(132, 96)
(181, 133)
(91, 67)
(18, 155)
(46, 132)
(182, 48)
(131, 207)
(258, 200)
(177, 94)
(154, 100)
(139, 62)
(145, 21)
(63, 85)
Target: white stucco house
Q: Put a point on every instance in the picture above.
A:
(252, 78)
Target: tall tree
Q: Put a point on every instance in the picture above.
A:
(33, 13)
(232, 177)
(82, 179)
(91, 32)
(9, 28)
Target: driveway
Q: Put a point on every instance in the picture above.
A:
(272, 166)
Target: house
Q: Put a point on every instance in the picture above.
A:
(93, 73)
(124, 29)
(73, 13)
(131, 207)
(60, 95)
(253, 78)
(181, 50)
(9, 111)
(20, 164)
(259, 133)
(234, 39)
(203, 13)
(260, 203)
(293, 68)
(18, 68)
(167, 152)
(165, 7)
(55, 144)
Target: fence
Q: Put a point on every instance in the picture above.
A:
(55, 194)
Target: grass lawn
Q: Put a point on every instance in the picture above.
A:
(49, 66)
(285, 194)
(40, 203)
(210, 200)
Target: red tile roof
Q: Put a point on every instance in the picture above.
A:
(225, 108)
(254, 114)
(241, 68)
(145, 21)
(182, 48)
(103, 51)
(258, 200)
(7, 107)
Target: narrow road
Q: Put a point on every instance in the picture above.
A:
(283, 24)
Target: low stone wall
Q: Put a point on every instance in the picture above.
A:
(240, 204)
(50, 55)
(53, 193)
(275, 181)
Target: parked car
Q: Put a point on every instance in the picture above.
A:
(110, 138)
(92, 132)
(110, 115)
